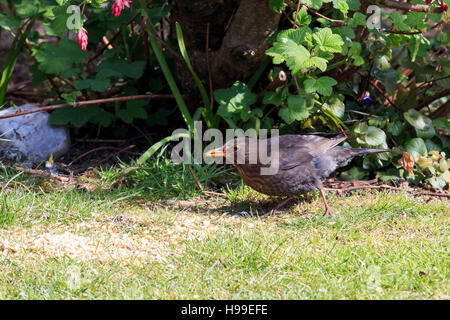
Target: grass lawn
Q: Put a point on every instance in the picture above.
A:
(77, 242)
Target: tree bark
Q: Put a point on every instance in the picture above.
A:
(238, 38)
(244, 45)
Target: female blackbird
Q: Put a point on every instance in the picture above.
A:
(297, 166)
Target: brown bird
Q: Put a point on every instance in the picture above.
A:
(298, 164)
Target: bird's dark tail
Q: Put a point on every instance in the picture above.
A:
(362, 151)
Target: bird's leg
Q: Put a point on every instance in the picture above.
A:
(327, 208)
(274, 210)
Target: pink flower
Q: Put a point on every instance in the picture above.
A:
(444, 6)
(118, 6)
(82, 38)
(428, 1)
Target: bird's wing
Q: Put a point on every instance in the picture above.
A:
(299, 150)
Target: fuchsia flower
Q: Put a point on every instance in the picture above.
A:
(428, 1)
(82, 38)
(444, 6)
(118, 6)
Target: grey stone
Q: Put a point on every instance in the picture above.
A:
(30, 138)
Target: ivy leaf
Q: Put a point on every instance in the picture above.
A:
(375, 136)
(355, 173)
(322, 85)
(395, 128)
(416, 147)
(442, 123)
(438, 182)
(417, 120)
(335, 106)
(327, 41)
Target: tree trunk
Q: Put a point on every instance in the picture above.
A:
(238, 38)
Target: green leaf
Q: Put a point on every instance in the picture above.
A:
(427, 133)
(416, 147)
(395, 128)
(315, 4)
(99, 85)
(398, 21)
(234, 100)
(416, 20)
(438, 182)
(71, 97)
(442, 123)
(295, 55)
(417, 120)
(375, 136)
(341, 5)
(104, 118)
(322, 85)
(273, 97)
(277, 5)
(358, 19)
(390, 174)
(355, 173)
(360, 128)
(303, 18)
(382, 62)
(134, 110)
(335, 106)
(70, 115)
(59, 57)
(296, 109)
(327, 41)
(120, 68)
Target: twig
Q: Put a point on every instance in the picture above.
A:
(100, 140)
(91, 151)
(438, 95)
(385, 186)
(413, 32)
(199, 185)
(117, 153)
(373, 84)
(407, 6)
(42, 173)
(208, 64)
(89, 102)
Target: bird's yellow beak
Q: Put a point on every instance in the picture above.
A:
(215, 153)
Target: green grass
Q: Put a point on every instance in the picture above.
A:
(134, 244)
